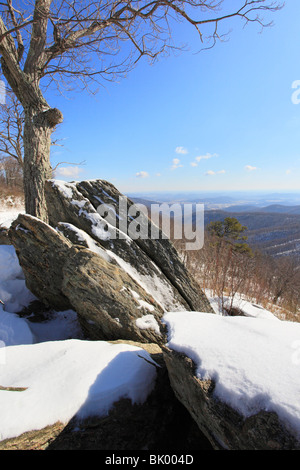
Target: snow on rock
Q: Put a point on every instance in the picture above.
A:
(65, 188)
(155, 286)
(148, 321)
(61, 379)
(82, 236)
(142, 303)
(85, 209)
(254, 362)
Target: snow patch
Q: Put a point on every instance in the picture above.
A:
(65, 188)
(63, 379)
(14, 330)
(153, 285)
(142, 303)
(13, 290)
(148, 322)
(11, 207)
(239, 302)
(92, 245)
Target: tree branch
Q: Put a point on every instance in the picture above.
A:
(19, 35)
(34, 61)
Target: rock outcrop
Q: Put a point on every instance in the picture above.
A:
(154, 262)
(225, 428)
(119, 286)
(159, 250)
(109, 303)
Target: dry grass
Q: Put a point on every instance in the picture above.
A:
(11, 191)
(11, 198)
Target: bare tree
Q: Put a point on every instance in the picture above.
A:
(11, 129)
(11, 141)
(54, 42)
(11, 173)
(12, 120)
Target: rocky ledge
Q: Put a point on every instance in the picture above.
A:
(224, 427)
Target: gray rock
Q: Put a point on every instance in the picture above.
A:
(160, 250)
(222, 425)
(109, 303)
(155, 264)
(115, 287)
(67, 205)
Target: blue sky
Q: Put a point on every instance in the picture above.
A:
(221, 119)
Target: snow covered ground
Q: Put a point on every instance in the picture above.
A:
(9, 211)
(239, 302)
(58, 373)
(61, 379)
(55, 374)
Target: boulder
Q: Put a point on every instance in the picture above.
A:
(224, 427)
(42, 252)
(154, 263)
(136, 264)
(160, 250)
(119, 287)
(108, 301)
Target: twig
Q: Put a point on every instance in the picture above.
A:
(13, 389)
(152, 363)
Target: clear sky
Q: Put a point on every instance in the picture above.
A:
(222, 119)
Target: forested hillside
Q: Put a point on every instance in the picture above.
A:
(273, 233)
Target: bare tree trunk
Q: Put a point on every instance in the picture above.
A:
(38, 128)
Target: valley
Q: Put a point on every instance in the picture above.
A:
(272, 220)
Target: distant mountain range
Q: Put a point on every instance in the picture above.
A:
(272, 228)
(226, 200)
(273, 208)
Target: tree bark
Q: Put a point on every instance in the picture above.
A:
(40, 119)
(38, 128)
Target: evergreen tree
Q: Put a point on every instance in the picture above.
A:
(230, 230)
